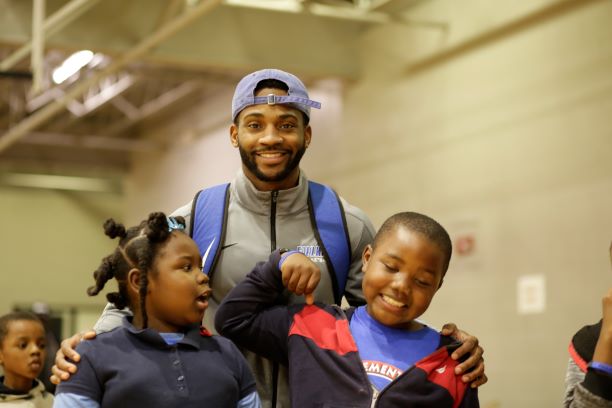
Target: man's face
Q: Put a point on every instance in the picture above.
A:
(401, 277)
(272, 140)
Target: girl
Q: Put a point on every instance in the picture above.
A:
(160, 357)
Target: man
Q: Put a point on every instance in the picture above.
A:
(269, 208)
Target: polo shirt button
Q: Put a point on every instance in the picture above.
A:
(181, 378)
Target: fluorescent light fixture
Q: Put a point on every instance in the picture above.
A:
(54, 182)
(72, 65)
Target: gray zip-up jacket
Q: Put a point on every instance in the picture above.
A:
(252, 234)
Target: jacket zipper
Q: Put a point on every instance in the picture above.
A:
(273, 220)
(275, 367)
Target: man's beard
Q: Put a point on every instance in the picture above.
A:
(249, 161)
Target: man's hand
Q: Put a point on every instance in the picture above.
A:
(473, 366)
(63, 369)
(300, 275)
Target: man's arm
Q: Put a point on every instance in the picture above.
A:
(110, 318)
(67, 358)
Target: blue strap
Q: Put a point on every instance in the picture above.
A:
(207, 219)
(330, 226)
(209, 213)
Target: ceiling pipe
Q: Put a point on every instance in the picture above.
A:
(52, 25)
(38, 45)
(55, 107)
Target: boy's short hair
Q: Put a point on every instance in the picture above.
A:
(12, 317)
(422, 224)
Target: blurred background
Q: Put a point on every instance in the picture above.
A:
(493, 117)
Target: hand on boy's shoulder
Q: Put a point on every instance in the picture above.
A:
(472, 367)
(300, 275)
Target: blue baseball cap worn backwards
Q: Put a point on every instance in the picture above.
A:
(297, 95)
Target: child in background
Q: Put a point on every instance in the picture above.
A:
(22, 355)
(161, 357)
(588, 380)
(374, 355)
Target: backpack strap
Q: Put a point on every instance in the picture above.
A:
(329, 225)
(208, 223)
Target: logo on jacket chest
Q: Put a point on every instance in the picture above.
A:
(312, 251)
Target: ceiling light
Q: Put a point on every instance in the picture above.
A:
(72, 65)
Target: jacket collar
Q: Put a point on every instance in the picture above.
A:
(9, 394)
(289, 201)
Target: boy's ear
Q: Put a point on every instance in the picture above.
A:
(365, 257)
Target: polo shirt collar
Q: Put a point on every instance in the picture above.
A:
(191, 339)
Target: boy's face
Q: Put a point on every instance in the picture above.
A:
(401, 277)
(22, 353)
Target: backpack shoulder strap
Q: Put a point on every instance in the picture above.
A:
(208, 223)
(329, 224)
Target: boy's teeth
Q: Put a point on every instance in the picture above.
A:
(392, 301)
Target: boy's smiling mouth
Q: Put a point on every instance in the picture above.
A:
(389, 300)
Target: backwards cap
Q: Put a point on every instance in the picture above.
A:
(297, 95)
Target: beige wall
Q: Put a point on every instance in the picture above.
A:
(52, 241)
(511, 142)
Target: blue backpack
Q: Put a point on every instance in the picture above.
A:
(209, 221)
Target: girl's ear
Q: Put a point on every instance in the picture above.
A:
(133, 280)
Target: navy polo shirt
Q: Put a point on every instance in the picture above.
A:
(128, 367)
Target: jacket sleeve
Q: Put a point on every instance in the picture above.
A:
(250, 315)
(594, 392)
(470, 399)
(110, 318)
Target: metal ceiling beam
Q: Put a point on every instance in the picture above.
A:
(365, 12)
(53, 24)
(51, 110)
(38, 45)
(155, 106)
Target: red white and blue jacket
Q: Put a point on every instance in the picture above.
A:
(315, 342)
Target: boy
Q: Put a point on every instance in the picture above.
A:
(22, 355)
(373, 355)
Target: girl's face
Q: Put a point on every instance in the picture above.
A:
(178, 290)
(22, 353)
